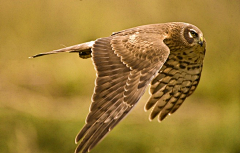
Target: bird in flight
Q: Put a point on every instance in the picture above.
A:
(168, 56)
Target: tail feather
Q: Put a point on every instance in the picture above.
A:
(80, 48)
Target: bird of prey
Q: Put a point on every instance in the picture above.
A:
(168, 56)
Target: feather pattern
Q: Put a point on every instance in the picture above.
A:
(121, 81)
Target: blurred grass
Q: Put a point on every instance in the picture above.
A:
(44, 101)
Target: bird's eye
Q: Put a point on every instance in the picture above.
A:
(193, 34)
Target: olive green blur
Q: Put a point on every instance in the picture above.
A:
(44, 101)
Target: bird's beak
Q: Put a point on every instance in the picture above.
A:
(200, 41)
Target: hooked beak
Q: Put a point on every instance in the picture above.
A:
(200, 41)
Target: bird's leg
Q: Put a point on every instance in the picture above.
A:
(85, 54)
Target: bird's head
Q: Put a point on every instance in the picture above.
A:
(192, 36)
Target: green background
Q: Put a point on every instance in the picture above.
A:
(44, 101)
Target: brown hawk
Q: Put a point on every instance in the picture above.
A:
(169, 56)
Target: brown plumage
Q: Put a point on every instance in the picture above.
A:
(169, 56)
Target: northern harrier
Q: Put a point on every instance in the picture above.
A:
(169, 56)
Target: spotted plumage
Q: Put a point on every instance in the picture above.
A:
(167, 56)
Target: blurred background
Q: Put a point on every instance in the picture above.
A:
(44, 101)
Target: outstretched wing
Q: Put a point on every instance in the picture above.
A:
(125, 65)
(171, 87)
